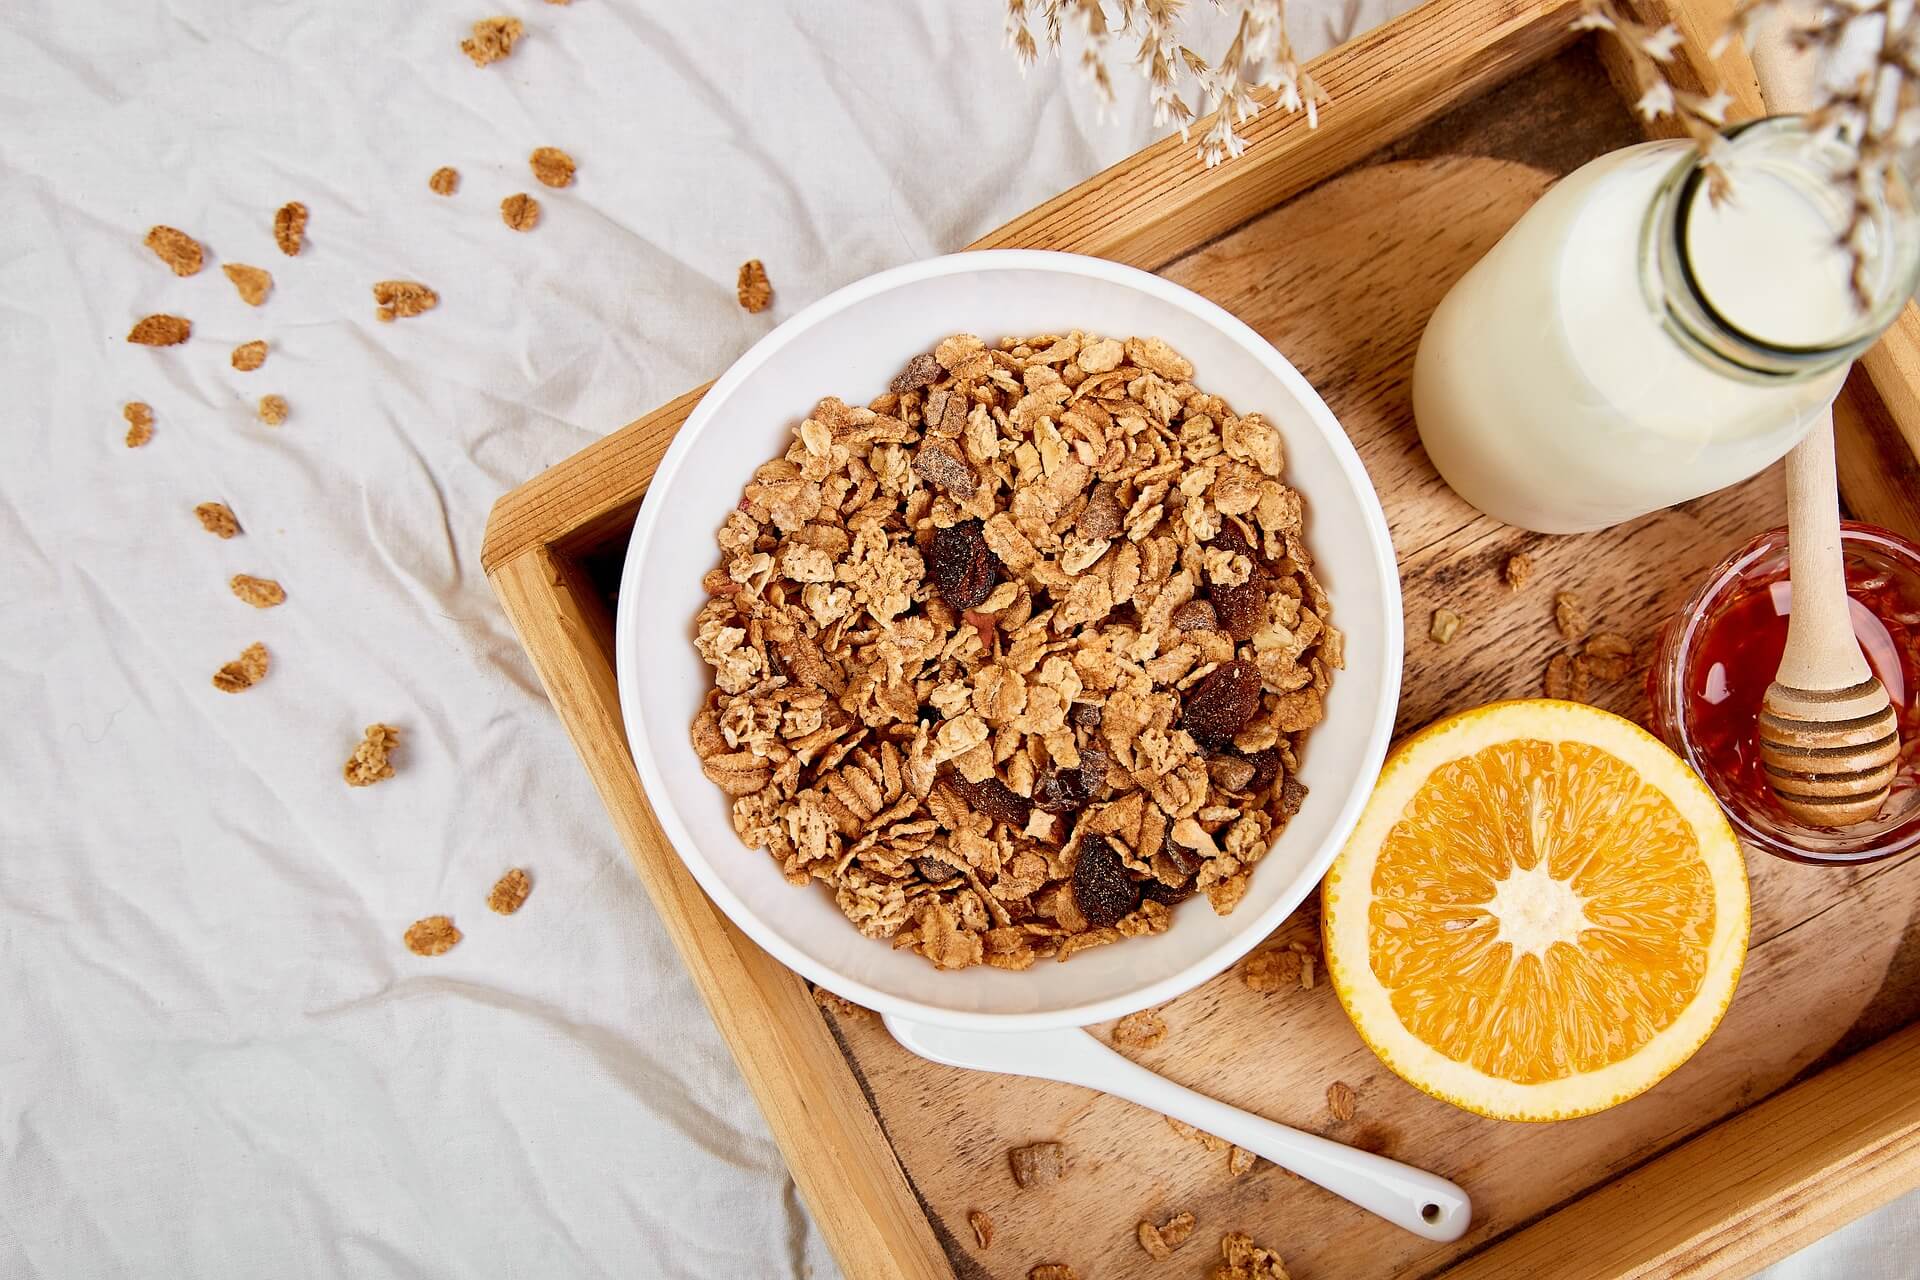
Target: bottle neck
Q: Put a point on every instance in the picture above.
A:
(1772, 265)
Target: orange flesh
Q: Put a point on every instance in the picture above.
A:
(1602, 989)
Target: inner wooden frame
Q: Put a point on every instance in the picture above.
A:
(553, 546)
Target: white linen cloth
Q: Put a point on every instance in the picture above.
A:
(216, 1058)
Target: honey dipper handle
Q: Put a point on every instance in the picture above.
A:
(1821, 652)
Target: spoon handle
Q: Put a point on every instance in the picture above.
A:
(1822, 653)
(1421, 1202)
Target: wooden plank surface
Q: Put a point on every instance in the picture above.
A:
(1404, 229)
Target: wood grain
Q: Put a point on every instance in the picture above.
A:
(1376, 217)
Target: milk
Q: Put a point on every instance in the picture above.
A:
(1551, 395)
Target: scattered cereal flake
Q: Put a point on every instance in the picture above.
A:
(139, 415)
(254, 283)
(1142, 1030)
(1242, 1259)
(1517, 570)
(369, 764)
(1239, 1161)
(753, 288)
(1558, 682)
(509, 892)
(1306, 972)
(249, 669)
(982, 1225)
(290, 227)
(177, 249)
(1038, 1165)
(520, 211)
(261, 593)
(217, 518)
(838, 1005)
(1211, 1142)
(273, 410)
(1053, 1271)
(492, 40)
(1445, 624)
(249, 356)
(1609, 656)
(1161, 1241)
(1270, 970)
(1149, 1236)
(444, 182)
(552, 166)
(1176, 1229)
(1580, 686)
(433, 936)
(1341, 1099)
(1569, 616)
(403, 298)
(160, 331)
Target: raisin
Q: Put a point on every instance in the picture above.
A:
(964, 570)
(1196, 615)
(1186, 861)
(1242, 610)
(1166, 894)
(1101, 887)
(1067, 790)
(1234, 542)
(994, 798)
(936, 871)
(1221, 705)
(1292, 795)
(1266, 767)
(920, 370)
(1087, 715)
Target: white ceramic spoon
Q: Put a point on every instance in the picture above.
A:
(1424, 1204)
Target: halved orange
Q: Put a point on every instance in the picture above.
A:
(1542, 913)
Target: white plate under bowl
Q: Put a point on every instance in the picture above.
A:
(851, 344)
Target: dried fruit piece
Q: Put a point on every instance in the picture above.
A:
(249, 356)
(160, 331)
(1446, 623)
(445, 181)
(139, 416)
(290, 227)
(273, 410)
(964, 571)
(920, 370)
(403, 298)
(552, 166)
(1038, 1165)
(1195, 615)
(217, 518)
(1070, 790)
(1242, 1259)
(752, 288)
(249, 669)
(252, 283)
(509, 892)
(1240, 1161)
(994, 798)
(520, 211)
(1568, 615)
(1220, 706)
(433, 936)
(261, 593)
(1142, 1030)
(1341, 1099)
(1101, 887)
(1242, 609)
(947, 471)
(492, 40)
(1516, 571)
(177, 249)
(369, 763)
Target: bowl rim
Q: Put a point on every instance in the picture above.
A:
(1255, 928)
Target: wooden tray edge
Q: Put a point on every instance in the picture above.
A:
(1747, 1191)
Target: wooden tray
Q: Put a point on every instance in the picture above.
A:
(1802, 1112)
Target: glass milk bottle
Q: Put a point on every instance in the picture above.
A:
(1632, 343)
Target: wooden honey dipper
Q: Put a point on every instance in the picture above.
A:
(1829, 738)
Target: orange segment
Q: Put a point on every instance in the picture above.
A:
(1541, 913)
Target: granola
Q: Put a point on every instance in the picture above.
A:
(273, 410)
(1516, 571)
(1142, 1030)
(290, 227)
(1020, 655)
(177, 249)
(245, 671)
(217, 518)
(433, 936)
(249, 356)
(160, 331)
(1569, 617)
(509, 892)
(1341, 1099)
(520, 211)
(1161, 1241)
(1239, 1161)
(1446, 624)
(445, 181)
(369, 763)
(982, 1227)
(753, 289)
(261, 593)
(139, 416)
(1039, 1165)
(1242, 1259)
(252, 283)
(492, 40)
(552, 166)
(400, 298)
(837, 1005)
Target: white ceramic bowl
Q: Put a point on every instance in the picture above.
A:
(850, 344)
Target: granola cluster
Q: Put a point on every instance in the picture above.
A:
(1021, 654)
